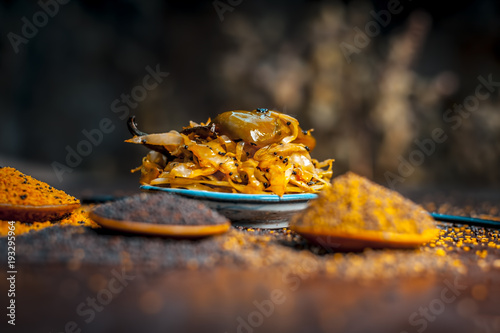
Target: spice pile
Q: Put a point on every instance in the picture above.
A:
(354, 205)
(16, 188)
(160, 208)
(20, 190)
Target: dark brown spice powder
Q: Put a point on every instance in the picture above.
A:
(160, 208)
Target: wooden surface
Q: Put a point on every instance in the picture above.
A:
(56, 287)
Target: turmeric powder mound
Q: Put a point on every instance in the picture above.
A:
(17, 188)
(357, 207)
(79, 217)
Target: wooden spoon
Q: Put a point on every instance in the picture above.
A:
(173, 231)
(27, 213)
(340, 241)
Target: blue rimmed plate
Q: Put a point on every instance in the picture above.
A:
(248, 210)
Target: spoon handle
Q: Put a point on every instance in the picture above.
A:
(466, 220)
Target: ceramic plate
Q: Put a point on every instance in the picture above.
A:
(174, 231)
(248, 210)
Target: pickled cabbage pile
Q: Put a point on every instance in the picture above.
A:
(254, 152)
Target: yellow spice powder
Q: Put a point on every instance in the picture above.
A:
(354, 203)
(17, 188)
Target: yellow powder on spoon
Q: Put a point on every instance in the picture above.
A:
(355, 206)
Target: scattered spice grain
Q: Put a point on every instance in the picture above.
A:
(79, 217)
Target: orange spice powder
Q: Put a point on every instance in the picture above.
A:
(19, 189)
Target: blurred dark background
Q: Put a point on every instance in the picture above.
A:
(368, 98)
